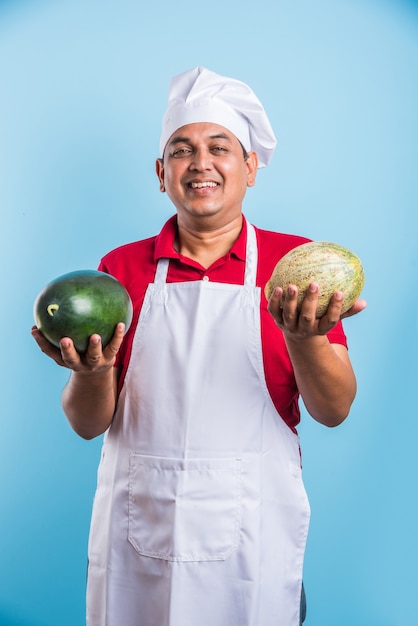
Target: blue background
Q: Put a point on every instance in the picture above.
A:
(83, 87)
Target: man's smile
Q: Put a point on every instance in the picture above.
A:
(202, 184)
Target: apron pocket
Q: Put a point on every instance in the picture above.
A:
(184, 510)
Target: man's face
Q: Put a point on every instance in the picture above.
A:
(204, 171)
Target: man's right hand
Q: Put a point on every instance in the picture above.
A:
(95, 359)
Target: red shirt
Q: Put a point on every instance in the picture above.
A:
(134, 265)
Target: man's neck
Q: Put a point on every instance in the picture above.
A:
(205, 246)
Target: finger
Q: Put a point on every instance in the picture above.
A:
(307, 316)
(358, 306)
(275, 305)
(69, 354)
(290, 312)
(312, 295)
(94, 351)
(114, 344)
(46, 346)
(333, 313)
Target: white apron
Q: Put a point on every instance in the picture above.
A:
(200, 516)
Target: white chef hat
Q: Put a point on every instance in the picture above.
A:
(200, 95)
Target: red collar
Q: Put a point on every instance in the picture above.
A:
(164, 243)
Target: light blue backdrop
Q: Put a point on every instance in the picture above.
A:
(83, 87)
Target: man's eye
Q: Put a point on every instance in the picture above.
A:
(179, 152)
(219, 149)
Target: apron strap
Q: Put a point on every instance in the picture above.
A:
(251, 260)
(161, 272)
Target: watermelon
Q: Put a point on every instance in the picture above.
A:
(79, 304)
(331, 266)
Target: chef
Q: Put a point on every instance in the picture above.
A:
(200, 515)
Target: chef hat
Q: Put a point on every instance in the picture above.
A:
(200, 95)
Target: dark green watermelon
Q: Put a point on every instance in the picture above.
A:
(82, 303)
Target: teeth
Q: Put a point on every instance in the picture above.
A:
(203, 184)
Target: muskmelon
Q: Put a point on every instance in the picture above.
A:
(79, 304)
(331, 266)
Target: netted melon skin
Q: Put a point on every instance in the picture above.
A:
(331, 266)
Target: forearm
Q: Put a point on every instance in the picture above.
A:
(89, 398)
(323, 370)
(324, 376)
(89, 401)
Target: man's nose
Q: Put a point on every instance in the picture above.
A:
(202, 160)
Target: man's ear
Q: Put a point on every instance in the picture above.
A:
(252, 167)
(159, 169)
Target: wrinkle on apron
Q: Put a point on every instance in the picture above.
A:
(200, 515)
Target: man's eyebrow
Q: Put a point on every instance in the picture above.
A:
(177, 140)
(220, 136)
(184, 139)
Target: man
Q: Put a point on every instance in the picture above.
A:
(200, 515)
